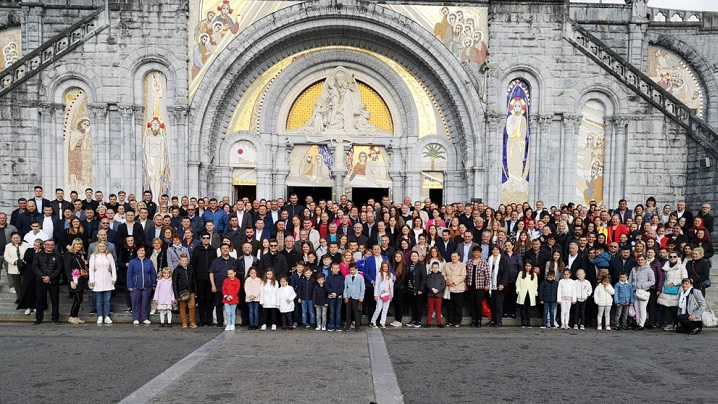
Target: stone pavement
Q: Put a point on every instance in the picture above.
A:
(529, 366)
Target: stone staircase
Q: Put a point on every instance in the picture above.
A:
(54, 49)
(631, 77)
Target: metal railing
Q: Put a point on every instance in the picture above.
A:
(47, 53)
(642, 85)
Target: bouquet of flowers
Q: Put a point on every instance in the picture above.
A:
(75, 275)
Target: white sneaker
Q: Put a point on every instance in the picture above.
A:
(27, 312)
(108, 320)
(599, 328)
(153, 311)
(136, 322)
(324, 328)
(147, 322)
(575, 327)
(396, 324)
(233, 327)
(582, 327)
(319, 328)
(264, 327)
(99, 320)
(274, 327)
(12, 290)
(228, 328)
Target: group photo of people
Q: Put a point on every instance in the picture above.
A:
(338, 266)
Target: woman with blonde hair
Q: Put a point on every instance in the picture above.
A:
(76, 272)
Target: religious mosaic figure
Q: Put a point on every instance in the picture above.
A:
(77, 133)
(675, 76)
(155, 147)
(367, 167)
(311, 166)
(228, 24)
(516, 144)
(589, 154)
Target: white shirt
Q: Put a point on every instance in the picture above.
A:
(247, 263)
(571, 260)
(48, 226)
(30, 237)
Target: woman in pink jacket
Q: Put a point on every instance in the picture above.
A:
(103, 275)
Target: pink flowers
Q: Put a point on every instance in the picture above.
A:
(75, 275)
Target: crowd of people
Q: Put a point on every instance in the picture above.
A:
(325, 264)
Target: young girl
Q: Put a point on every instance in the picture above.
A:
(230, 297)
(583, 291)
(269, 300)
(285, 296)
(603, 296)
(165, 297)
(527, 290)
(383, 293)
(253, 290)
(566, 297)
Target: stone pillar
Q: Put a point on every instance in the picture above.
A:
(136, 151)
(615, 168)
(123, 151)
(101, 164)
(32, 28)
(568, 159)
(544, 178)
(280, 169)
(179, 150)
(488, 177)
(637, 33)
(536, 164)
(51, 129)
(339, 171)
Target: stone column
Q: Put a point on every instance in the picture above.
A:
(179, 151)
(101, 164)
(135, 150)
(339, 170)
(543, 178)
(568, 159)
(52, 146)
(123, 150)
(488, 177)
(280, 169)
(615, 167)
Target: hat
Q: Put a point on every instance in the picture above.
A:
(626, 248)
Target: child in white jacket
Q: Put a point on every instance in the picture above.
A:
(566, 295)
(269, 300)
(286, 296)
(603, 296)
(583, 291)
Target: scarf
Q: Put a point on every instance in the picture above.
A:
(683, 301)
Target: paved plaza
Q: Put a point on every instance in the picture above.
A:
(98, 364)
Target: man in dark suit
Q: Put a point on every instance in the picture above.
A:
(243, 263)
(105, 225)
(358, 235)
(130, 228)
(15, 215)
(153, 229)
(681, 211)
(293, 208)
(244, 218)
(623, 212)
(60, 204)
(574, 260)
(464, 249)
(537, 256)
(249, 238)
(52, 225)
(40, 201)
(446, 246)
(622, 263)
(233, 232)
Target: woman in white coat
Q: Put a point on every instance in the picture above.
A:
(14, 252)
(674, 272)
(691, 305)
(103, 275)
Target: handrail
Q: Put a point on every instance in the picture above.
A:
(641, 84)
(50, 51)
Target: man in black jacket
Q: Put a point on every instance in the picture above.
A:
(47, 266)
(273, 260)
(202, 258)
(244, 262)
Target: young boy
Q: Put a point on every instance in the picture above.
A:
(334, 286)
(548, 294)
(294, 282)
(326, 268)
(321, 303)
(623, 298)
(435, 285)
(305, 294)
(354, 290)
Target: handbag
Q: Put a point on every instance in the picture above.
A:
(385, 296)
(642, 294)
(447, 293)
(670, 290)
(184, 295)
(709, 318)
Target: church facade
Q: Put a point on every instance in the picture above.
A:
(507, 101)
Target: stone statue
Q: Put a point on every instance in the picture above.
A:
(339, 109)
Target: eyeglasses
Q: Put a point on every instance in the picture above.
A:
(272, 245)
(105, 222)
(672, 256)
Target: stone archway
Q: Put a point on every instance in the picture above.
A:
(315, 24)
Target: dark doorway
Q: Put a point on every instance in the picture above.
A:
(437, 196)
(361, 195)
(249, 191)
(317, 193)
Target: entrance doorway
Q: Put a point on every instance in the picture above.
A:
(437, 196)
(317, 193)
(362, 195)
(249, 191)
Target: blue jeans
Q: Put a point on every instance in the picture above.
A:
(335, 314)
(102, 303)
(307, 308)
(549, 308)
(230, 313)
(254, 314)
